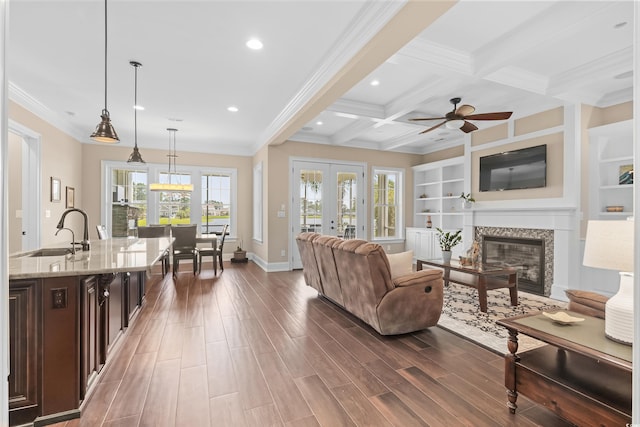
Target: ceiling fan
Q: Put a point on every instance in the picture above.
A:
(457, 118)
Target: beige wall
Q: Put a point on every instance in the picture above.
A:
(278, 176)
(93, 154)
(261, 249)
(447, 153)
(15, 193)
(61, 158)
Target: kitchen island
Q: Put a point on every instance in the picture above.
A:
(66, 313)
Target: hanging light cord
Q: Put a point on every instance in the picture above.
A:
(105, 58)
(135, 108)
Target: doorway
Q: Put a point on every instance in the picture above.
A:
(327, 198)
(25, 189)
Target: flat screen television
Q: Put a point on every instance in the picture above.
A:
(517, 169)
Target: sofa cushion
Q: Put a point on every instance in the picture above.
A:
(400, 264)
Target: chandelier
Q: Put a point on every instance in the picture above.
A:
(170, 186)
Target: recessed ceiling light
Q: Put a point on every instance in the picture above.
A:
(254, 44)
(620, 24)
(374, 82)
(138, 107)
(233, 109)
(173, 119)
(319, 123)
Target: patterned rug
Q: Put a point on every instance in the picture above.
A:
(461, 315)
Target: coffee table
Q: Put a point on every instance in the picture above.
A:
(482, 277)
(582, 376)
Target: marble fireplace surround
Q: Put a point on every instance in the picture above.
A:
(558, 226)
(527, 233)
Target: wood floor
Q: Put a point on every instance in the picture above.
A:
(249, 348)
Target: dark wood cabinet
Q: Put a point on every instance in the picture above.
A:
(60, 331)
(92, 332)
(24, 377)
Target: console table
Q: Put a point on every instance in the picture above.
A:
(582, 376)
(482, 277)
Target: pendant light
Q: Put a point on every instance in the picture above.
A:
(135, 156)
(104, 131)
(170, 186)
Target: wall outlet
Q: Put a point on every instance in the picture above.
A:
(283, 252)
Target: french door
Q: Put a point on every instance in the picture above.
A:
(328, 198)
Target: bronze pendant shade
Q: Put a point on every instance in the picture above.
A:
(104, 131)
(135, 156)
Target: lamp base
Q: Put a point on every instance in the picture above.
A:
(618, 312)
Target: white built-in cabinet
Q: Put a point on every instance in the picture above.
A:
(610, 154)
(436, 187)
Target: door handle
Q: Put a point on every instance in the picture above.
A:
(24, 233)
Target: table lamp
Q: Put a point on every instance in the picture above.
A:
(609, 245)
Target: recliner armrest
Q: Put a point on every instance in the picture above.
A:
(417, 277)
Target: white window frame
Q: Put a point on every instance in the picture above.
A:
(399, 172)
(153, 173)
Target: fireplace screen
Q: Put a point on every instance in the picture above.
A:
(525, 254)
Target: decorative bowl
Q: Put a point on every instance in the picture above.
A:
(563, 318)
(615, 208)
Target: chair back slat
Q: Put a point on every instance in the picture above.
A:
(185, 235)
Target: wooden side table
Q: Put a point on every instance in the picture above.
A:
(581, 375)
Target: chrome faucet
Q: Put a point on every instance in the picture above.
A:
(73, 238)
(85, 237)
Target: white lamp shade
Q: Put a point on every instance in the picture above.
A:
(454, 124)
(609, 245)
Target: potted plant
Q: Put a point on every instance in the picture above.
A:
(447, 240)
(467, 200)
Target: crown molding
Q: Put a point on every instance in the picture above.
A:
(439, 56)
(31, 104)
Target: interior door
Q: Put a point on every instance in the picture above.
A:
(328, 198)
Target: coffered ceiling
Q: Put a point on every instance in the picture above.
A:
(312, 80)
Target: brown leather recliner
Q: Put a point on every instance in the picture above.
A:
(355, 274)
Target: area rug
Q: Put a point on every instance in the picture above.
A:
(461, 315)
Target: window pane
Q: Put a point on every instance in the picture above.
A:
(385, 211)
(216, 202)
(129, 201)
(175, 208)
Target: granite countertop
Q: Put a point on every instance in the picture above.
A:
(106, 256)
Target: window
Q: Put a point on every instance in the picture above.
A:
(128, 203)
(216, 202)
(128, 207)
(387, 203)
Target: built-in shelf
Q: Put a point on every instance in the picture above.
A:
(611, 151)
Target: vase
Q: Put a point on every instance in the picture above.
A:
(446, 256)
(429, 223)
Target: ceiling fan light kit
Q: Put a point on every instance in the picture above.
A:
(457, 118)
(105, 132)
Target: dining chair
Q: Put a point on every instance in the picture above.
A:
(102, 232)
(184, 245)
(152, 231)
(216, 253)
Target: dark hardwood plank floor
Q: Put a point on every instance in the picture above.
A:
(249, 348)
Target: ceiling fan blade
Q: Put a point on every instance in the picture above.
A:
(428, 118)
(468, 127)
(432, 128)
(465, 110)
(490, 116)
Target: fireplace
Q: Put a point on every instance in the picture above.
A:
(546, 245)
(524, 253)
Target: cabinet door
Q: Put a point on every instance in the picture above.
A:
(23, 348)
(91, 357)
(133, 288)
(429, 248)
(113, 285)
(410, 241)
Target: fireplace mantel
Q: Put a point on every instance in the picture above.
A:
(559, 217)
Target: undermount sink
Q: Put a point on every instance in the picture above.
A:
(50, 252)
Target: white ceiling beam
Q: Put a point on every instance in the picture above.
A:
(351, 131)
(353, 109)
(527, 36)
(520, 79)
